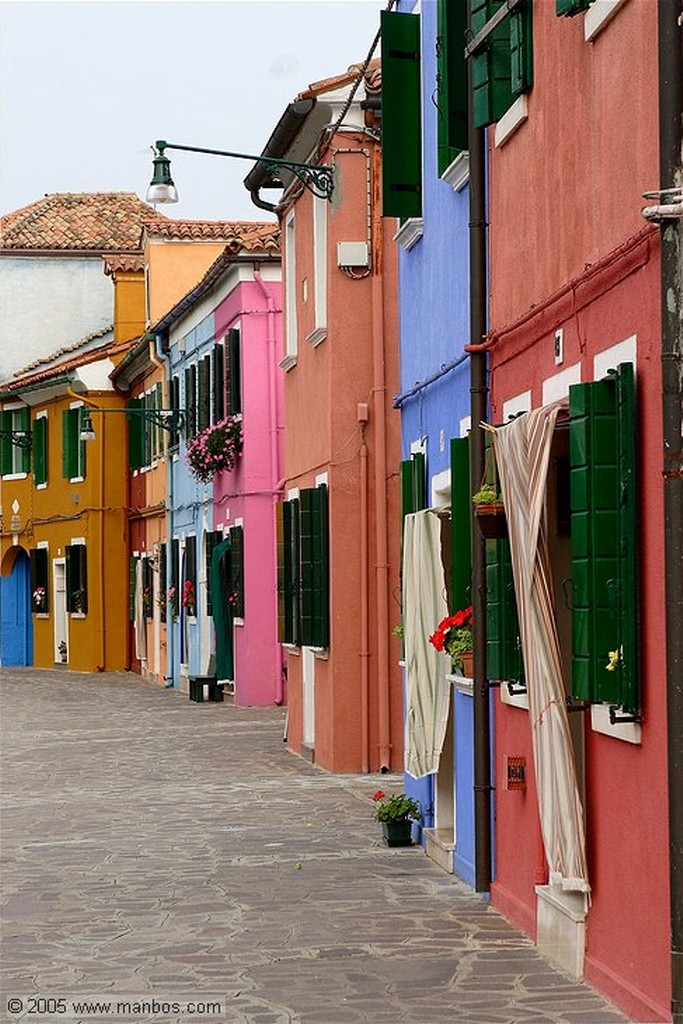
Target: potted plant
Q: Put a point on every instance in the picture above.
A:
(454, 635)
(188, 597)
(39, 599)
(172, 596)
(215, 449)
(396, 815)
(61, 647)
(489, 511)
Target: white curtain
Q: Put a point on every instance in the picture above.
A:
(140, 625)
(522, 450)
(424, 605)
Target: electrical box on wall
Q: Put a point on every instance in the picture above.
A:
(353, 254)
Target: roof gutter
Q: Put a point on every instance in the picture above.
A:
(279, 143)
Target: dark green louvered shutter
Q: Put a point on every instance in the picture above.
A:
(163, 581)
(132, 563)
(67, 445)
(204, 394)
(234, 384)
(306, 538)
(190, 401)
(603, 532)
(135, 427)
(191, 572)
(40, 450)
(503, 647)
(461, 513)
(568, 8)
(25, 425)
(174, 403)
(283, 512)
(218, 383)
(38, 566)
(414, 483)
(212, 539)
(6, 444)
(321, 619)
(451, 82)
(237, 570)
(175, 574)
(401, 115)
(81, 446)
(503, 68)
(76, 578)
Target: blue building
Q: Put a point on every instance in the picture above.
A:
(424, 150)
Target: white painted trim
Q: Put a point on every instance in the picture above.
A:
(513, 117)
(319, 269)
(462, 684)
(558, 385)
(15, 476)
(291, 325)
(518, 700)
(410, 232)
(625, 351)
(78, 540)
(293, 493)
(465, 426)
(288, 363)
(322, 478)
(629, 732)
(419, 447)
(42, 415)
(598, 15)
(316, 336)
(43, 544)
(515, 405)
(41, 487)
(458, 173)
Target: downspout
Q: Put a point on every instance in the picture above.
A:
(275, 480)
(670, 32)
(478, 408)
(380, 445)
(160, 357)
(364, 584)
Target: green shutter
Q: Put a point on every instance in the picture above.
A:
(80, 446)
(67, 458)
(135, 427)
(6, 444)
(234, 372)
(461, 516)
(407, 497)
(283, 632)
(568, 8)
(307, 570)
(218, 383)
(237, 570)
(212, 539)
(76, 578)
(451, 82)
(190, 401)
(628, 538)
(83, 574)
(40, 450)
(503, 68)
(401, 115)
(25, 425)
(321, 602)
(204, 393)
(503, 647)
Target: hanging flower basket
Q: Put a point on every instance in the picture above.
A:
(215, 449)
(491, 520)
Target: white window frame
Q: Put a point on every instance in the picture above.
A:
(319, 332)
(289, 360)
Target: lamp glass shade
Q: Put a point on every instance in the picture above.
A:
(87, 432)
(161, 188)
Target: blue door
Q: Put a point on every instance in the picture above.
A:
(16, 624)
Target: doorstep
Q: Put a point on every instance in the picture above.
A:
(561, 927)
(439, 847)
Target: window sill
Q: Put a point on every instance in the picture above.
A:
(41, 487)
(598, 16)
(463, 684)
(238, 621)
(288, 363)
(628, 732)
(292, 649)
(15, 476)
(458, 173)
(76, 479)
(410, 233)
(42, 615)
(515, 116)
(316, 336)
(78, 615)
(513, 700)
(322, 653)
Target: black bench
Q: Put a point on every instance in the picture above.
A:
(205, 688)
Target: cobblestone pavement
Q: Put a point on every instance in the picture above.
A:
(159, 852)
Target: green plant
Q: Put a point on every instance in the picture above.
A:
(487, 495)
(398, 631)
(395, 808)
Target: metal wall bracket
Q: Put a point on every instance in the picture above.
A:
(616, 719)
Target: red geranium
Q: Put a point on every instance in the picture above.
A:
(454, 634)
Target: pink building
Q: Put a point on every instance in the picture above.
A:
(575, 294)
(338, 522)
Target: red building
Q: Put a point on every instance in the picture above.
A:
(582, 849)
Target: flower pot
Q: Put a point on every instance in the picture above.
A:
(491, 520)
(465, 667)
(397, 833)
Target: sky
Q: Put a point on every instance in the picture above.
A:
(87, 87)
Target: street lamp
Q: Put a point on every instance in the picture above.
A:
(317, 178)
(168, 419)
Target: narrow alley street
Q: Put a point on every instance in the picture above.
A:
(162, 852)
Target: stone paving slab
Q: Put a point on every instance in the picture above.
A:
(158, 853)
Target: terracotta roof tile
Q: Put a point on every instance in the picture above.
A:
(77, 221)
(127, 261)
(373, 79)
(247, 236)
(91, 356)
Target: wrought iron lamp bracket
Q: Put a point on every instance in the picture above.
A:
(19, 438)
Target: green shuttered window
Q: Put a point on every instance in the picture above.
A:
(76, 579)
(190, 576)
(13, 457)
(503, 646)
(502, 69)
(236, 571)
(401, 116)
(303, 569)
(461, 513)
(414, 483)
(204, 394)
(451, 82)
(602, 451)
(73, 449)
(40, 450)
(40, 591)
(218, 383)
(234, 373)
(190, 401)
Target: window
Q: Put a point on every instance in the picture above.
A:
(451, 82)
(236, 570)
(39, 439)
(218, 383)
(503, 63)
(461, 517)
(40, 593)
(303, 569)
(401, 116)
(189, 594)
(162, 581)
(76, 579)
(234, 372)
(147, 588)
(175, 577)
(211, 540)
(73, 449)
(15, 458)
(291, 328)
(602, 432)
(174, 403)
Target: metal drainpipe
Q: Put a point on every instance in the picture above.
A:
(478, 406)
(671, 173)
